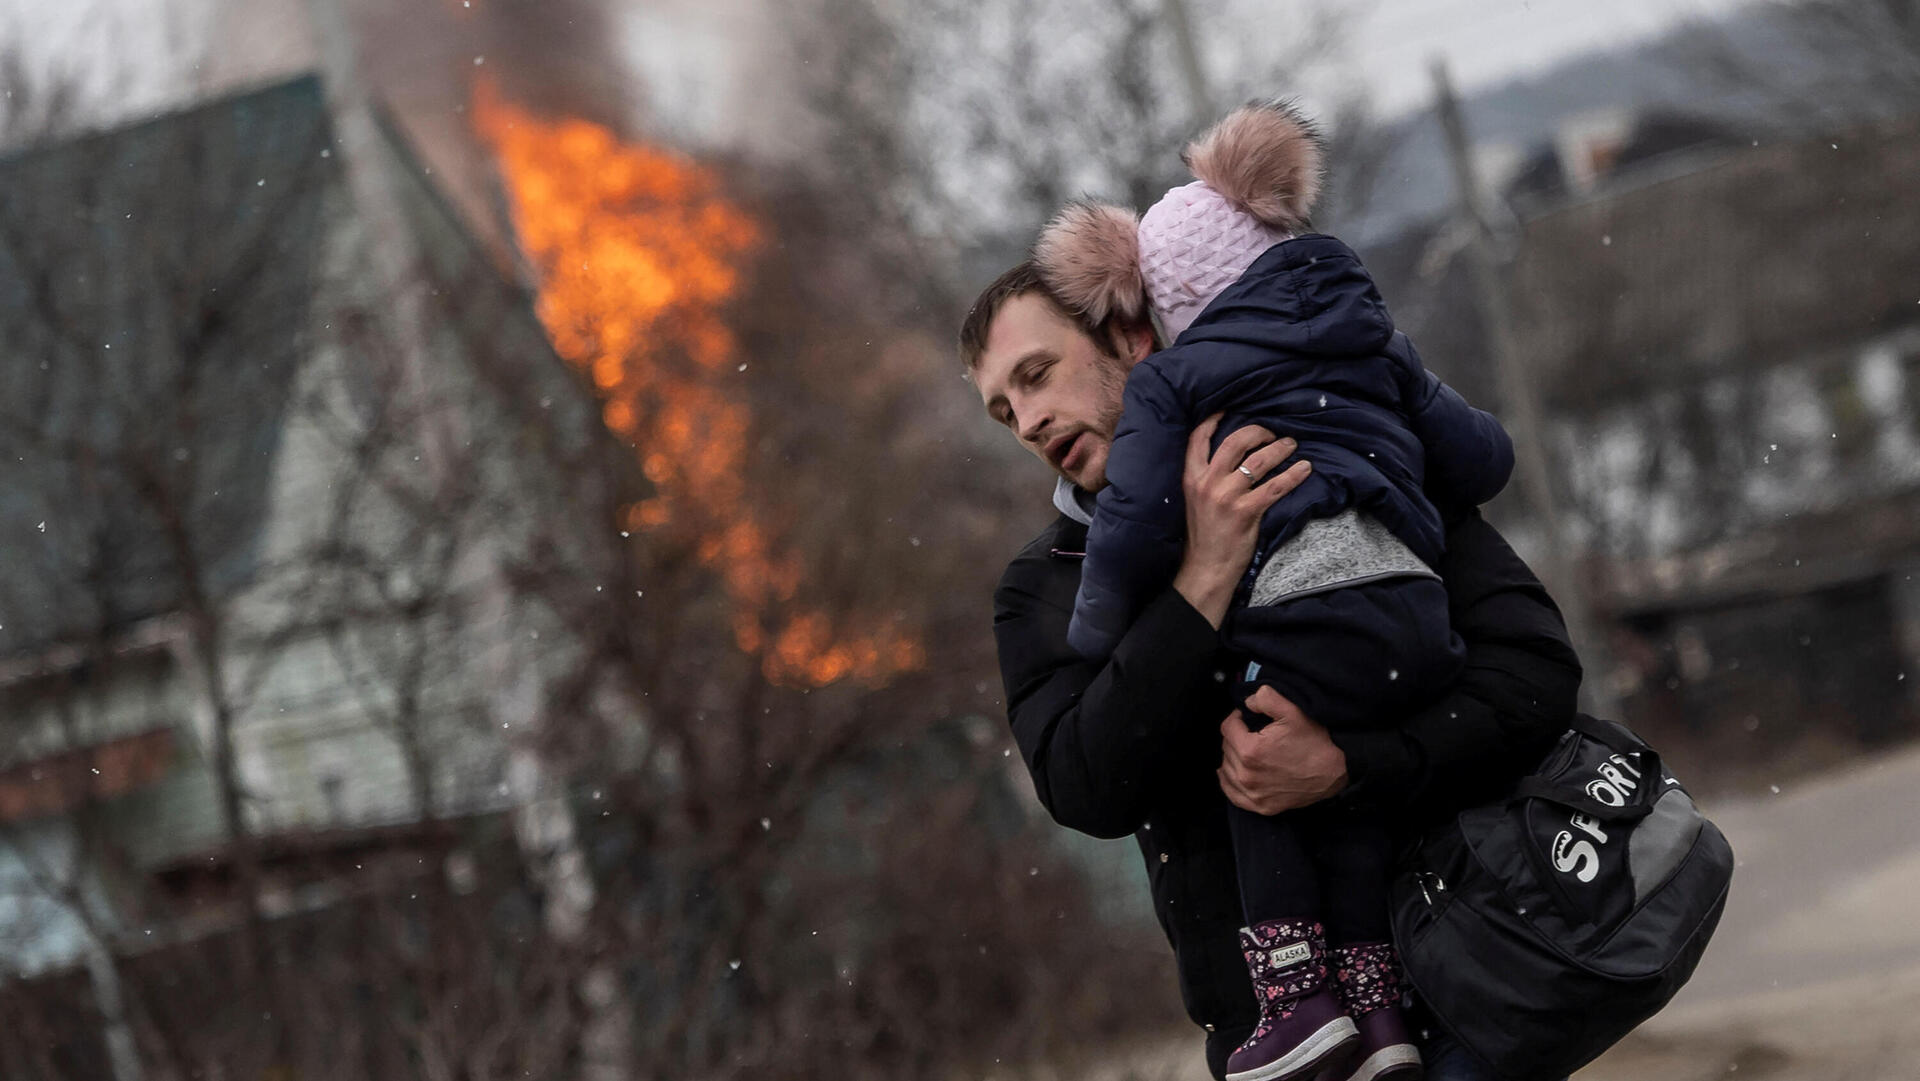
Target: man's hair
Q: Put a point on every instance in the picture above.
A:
(1019, 280)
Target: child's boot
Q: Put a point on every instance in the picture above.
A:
(1302, 1035)
(1367, 976)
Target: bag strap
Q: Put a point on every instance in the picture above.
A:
(1615, 738)
(1540, 788)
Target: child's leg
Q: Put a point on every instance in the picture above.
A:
(1302, 1032)
(1354, 856)
(1277, 877)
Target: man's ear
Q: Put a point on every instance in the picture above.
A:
(1133, 341)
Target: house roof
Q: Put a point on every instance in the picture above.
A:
(1855, 542)
(1759, 67)
(155, 283)
(1778, 253)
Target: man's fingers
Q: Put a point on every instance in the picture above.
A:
(1236, 792)
(1273, 705)
(1233, 730)
(1233, 734)
(1269, 458)
(1267, 493)
(1242, 442)
(1231, 759)
(1244, 797)
(1281, 766)
(1235, 448)
(1233, 769)
(1199, 443)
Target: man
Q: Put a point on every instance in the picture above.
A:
(1136, 744)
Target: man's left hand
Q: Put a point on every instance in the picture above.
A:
(1290, 763)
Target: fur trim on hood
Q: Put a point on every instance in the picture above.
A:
(1266, 159)
(1089, 255)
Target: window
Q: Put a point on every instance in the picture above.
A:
(1850, 422)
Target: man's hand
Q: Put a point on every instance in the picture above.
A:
(1289, 764)
(1224, 506)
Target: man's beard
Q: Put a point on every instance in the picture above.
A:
(1110, 375)
(1113, 392)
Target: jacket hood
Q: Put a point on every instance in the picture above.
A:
(1310, 295)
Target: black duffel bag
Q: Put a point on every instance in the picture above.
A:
(1542, 928)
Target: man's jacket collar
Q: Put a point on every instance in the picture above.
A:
(1071, 501)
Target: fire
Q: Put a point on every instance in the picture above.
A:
(637, 252)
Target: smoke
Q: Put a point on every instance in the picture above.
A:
(555, 56)
(422, 59)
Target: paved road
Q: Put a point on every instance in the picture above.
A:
(1827, 883)
(1814, 974)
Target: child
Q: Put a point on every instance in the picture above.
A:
(1340, 610)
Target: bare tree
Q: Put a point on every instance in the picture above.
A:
(761, 689)
(1807, 65)
(32, 108)
(182, 310)
(775, 655)
(965, 126)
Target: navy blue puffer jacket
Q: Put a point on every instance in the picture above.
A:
(1302, 345)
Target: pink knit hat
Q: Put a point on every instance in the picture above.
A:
(1193, 244)
(1259, 173)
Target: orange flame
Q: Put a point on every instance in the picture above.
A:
(637, 252)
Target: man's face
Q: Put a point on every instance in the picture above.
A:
(1053, 387)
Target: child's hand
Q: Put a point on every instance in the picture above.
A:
(1225, 499)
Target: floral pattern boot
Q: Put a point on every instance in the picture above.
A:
(1367, 977)
(1302, 1034)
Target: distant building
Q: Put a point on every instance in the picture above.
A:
(208, 468)
(1732, 356)
(1724, 333)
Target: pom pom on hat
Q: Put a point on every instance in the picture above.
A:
(1089, 255)
(1267, 160)
(1258, 174)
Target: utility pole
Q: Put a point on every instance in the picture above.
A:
(1557, 563)
(1187, 53)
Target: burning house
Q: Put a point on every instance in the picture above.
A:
(317, 501)
(245, 598)
(637, 253)
(381, 533)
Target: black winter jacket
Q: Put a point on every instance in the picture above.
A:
(1129, 745)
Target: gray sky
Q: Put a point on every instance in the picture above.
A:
(1391, 42)
(1390, 45)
